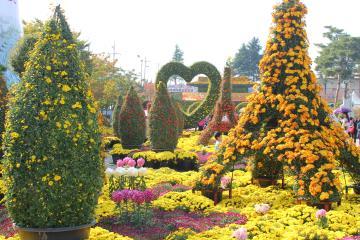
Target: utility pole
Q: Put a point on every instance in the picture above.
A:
(145, 66)
(114, 53)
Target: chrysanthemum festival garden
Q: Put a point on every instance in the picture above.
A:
(280, 164)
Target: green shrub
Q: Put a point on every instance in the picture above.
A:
(116, 116)
(180, 119)
(192, 107)
(132, 121)
(188, 73)
(53, 170)
(163, 124)
(20, 54)
(3, 93)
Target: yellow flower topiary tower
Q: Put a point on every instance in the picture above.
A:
(286, 123)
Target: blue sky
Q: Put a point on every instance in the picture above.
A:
(210, 30)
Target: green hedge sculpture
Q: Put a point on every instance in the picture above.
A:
(53, 170)
(163, 121)
(188, 73)
(132, 121)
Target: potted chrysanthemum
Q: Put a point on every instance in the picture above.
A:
(53, 169)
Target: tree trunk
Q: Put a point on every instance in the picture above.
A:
(337, 91)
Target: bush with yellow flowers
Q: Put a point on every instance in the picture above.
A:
(190, 143)
(186, 201)
(286, 123)
(110, 141)
(180, 234)
(52, 139)
(3, 100)
(293, 223)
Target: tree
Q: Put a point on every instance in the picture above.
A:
(224, 107)
(108, 81)
(32, 32)
(247, 59)
(132, 121)
(163, 121)
(286, 123)
(52, 138)
(178, 56)
(339, 58)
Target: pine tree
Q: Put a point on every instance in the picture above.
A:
(52, 141)
(286, 122)
(163, 122)
(247, 59)
(116, 116)
(132, 121)
(224, 107)
(178, 56)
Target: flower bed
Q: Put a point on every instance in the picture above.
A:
(165, 222)
(187, 212)
(179, 160)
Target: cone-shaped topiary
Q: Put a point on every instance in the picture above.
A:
(53, 170)
(180, 118)
(116, 116)
(224, 107)
(286, 122)
(163, 122)
(132, 121)
(3, 93)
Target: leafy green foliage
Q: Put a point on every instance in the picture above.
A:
(20, 54)
(207, 106)
(179, 117)
(32, 32)
(132, 121)
(163, 121)
(108, 81)
(3, 100)
(192, 107)
(340, 56)
(178, 55)
(116, 116)
(53, 170)
(247, 59)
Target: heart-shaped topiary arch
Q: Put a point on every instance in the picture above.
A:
(188, 73)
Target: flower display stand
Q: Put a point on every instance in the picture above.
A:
(266, 182)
